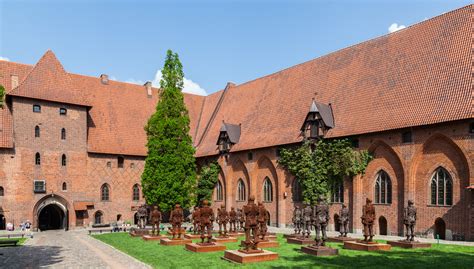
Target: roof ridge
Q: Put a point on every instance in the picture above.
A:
(200, 116)
(357, 44)
(213, 116)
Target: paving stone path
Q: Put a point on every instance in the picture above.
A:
(61, 249)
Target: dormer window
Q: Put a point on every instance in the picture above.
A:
(318, 121)
(228, 136)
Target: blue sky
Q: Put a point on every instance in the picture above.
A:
(218, 41)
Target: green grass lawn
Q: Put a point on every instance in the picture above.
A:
(158, 256)
(21, 241)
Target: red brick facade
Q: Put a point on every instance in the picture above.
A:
(371, 99)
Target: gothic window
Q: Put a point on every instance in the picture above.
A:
(120, 161)
(297, 191)
(441, 188)
(98, 217)
(241, 193)
(63, 134)
(219, 191)
(337, 193)
(37, 131)
(136, 192)
(104, 192)
(383, 188)
(37, 159)
(64, 186)
(267, 190)
(63, 160)
(37, 108)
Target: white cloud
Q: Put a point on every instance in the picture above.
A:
(188, 87)
(4, 59)
(134, 81)
(395, 27)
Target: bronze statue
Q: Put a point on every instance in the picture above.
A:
(250, 211)
(320, 220)
(196, 218)
(307, 220)
(142, 215)
(155, 220)
(297, 219)
(232, 220)
(177, 217)
(344, 221)
(262, 221)
(222, 219)
(409, 219)
(368, 218)
(241, 219)
(206, 218)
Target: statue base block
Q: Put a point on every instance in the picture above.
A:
(174, 242)
(291, 235)
(340, 239)
(238, 234)
(270, 237)
(206, 247)
(150, 237)
(320, 251)
(408, 244)
(224, 239)
(268, 244)
(300, 241)
(366, 246)
(242, 257)
(192, 236)
(139, 232)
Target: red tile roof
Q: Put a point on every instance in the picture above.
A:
(416, 76)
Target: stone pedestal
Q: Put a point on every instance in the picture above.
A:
(205, 247)
(150, 237)
(139, 232)
(268, 244)
(174, 242)
(366, 246)
(224, 239)
(320, 251)
(270, 237)
(340, 239)
(238, 256)
(238, 234)
(182, 231)
(300, 241)
(291, 235)
(192, 236)
(408, 244)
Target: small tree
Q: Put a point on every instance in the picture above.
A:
(169, 176)
(207, 181)
(320, 168)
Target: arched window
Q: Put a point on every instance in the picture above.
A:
(98, 217)
(441, 188)
(37, 131)
(219, 193)
(63, 134)
(2, 191)
(337, 193)
(241, 193)
(37, 159)
(63, 160)
(297, 191)
(136, 193)
(383, 188)
(267, 190)
(104, 192)
(64, 186)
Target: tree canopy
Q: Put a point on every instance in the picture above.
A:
(207, 181)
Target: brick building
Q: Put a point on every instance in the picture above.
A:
(72, 147)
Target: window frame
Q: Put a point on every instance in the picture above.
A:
(105, 196)
(99, 214)
(63, 111)
(63, 160)
(267, 190)
(37, 131)
(64, 186)
(36, 108)
(383, 190)
(219, 191)
(37, 159)
(241, 191)
(63, 134)
(120, 162)
(37, 190)
(337, 193)
(2, 191)
(447, 181)
(136, 192)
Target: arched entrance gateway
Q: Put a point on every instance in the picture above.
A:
(51, 213)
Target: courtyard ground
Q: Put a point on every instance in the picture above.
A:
(158, 256)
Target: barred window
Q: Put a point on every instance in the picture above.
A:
(37, 158)
(63, 160)
(136, 192)
(383, 188)
(104, 192)
(241, 192)
(267, 190)
(63, 134)
(441, 188)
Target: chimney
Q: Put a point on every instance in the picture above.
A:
(104, 79)
(148, 88)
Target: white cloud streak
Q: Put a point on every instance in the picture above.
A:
(395, 27)
(4, 59)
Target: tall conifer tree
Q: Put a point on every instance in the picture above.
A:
(169, 176)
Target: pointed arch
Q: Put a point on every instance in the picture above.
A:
(219, 191)
(63, 160)
(241, 191)
(37, 131)
(267, 190)
(266, 172)
(37, 158)
(105, 192)
(136, 192)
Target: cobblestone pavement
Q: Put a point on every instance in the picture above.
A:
(65, 249)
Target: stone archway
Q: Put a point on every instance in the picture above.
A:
(383, 226)
(440, 228)
(51, 212)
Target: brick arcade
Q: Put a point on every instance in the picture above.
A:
(72, 146)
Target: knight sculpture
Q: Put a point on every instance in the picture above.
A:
(344, 221)
(297, 219)
(206, 217)
(176, 217)
(196, 218)
(222, 220)
(142, 215)
(155, 219)
(262, 220)
(320, 220)
(409, 219)
(368, 218)
(250, 211)
(307, 220)
(232, 220)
